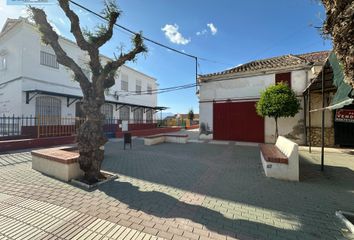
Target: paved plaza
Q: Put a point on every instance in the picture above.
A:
(178, 191)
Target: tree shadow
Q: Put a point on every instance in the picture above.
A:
(239, 180)
(164, 206)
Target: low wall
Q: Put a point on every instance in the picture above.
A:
(141, 126)
(12, 145)
(161, 138)
(193, 127)
(148, 132)
(58, 163)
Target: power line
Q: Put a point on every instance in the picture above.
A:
(131, 31)
(159, 92)
(145, 38)
(162, 89)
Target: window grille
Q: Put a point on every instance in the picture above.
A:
(48, 110)
(49, 60)
(125, 85)
(124, 113)
(149, 89)
(107, 110)
(149, 115)
(138, 87)
(138, 115)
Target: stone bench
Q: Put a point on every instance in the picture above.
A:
(161, 138)
(281, 160)
(60, 163)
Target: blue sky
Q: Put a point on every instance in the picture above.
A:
(228, 32)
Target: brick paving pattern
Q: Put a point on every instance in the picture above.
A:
(177, 191)
(22, 218)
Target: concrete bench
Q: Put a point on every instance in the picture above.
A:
(60, 163)
(281, 160)
(161, 138)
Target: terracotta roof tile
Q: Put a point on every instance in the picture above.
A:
(275, 63)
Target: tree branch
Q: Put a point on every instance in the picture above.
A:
(103, 34)
(110, 68)
(75, 29)
(75, 25)
(49, 36)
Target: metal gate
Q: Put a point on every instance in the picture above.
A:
(237, 121)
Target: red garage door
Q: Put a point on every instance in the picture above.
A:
(237, 121)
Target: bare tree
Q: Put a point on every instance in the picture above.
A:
(91, 138)
(339, 25)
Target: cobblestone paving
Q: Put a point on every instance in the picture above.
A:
(22, 218)
(193, 191)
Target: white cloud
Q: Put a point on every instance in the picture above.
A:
(212, 28)
(172, 33)
(204, 31)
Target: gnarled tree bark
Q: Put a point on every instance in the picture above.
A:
(91, 138)
(340, 25)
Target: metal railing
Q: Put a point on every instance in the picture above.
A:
(12, 127)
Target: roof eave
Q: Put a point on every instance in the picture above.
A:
(252, 73)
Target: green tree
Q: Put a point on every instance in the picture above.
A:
(91, 138)
(278, 101)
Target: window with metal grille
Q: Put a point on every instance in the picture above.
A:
(138, 115)
(49, 60)
(149, 89)
(124, 113)
(138, 87)
(149, 115)
(48, 110)
(107, 110)
(124, 83)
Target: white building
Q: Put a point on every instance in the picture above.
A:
(33, 83)
(227, 99)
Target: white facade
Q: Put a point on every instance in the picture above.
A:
(27, 65)
(247, 86)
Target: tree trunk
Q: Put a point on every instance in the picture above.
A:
(91, 140)
(276, 129)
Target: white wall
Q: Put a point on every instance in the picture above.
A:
(206, 114)
(240, 88)
(133, 76)
(249, 88)
(299, 81)
(10, 98)
(23, 45)
(10, 43)
(289, 127)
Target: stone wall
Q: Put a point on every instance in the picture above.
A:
(316, 136)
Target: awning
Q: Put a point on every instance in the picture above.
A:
(343, 95)
(73, 98)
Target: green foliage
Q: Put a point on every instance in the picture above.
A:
(110, 8)
(111, 11)
(278, 101)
